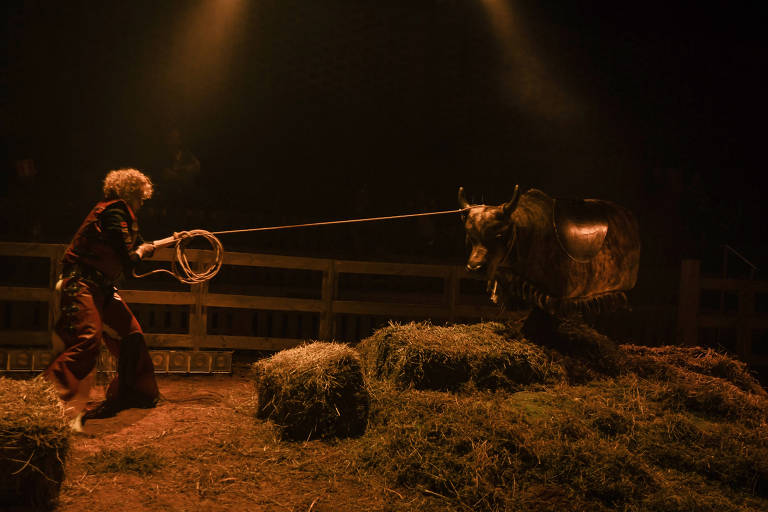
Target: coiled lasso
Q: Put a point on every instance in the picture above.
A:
(181, 268)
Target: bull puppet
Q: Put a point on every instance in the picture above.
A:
(562, 256)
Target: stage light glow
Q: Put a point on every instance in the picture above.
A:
(528, 80)
(199, 60)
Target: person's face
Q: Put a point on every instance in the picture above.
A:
(136, 204)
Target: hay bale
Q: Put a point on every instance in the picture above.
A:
(664, 362)
(313, 391)
(425, 356)
(584, 353)
(34, 441)
(700, 380)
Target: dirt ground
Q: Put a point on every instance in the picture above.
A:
(202, 449)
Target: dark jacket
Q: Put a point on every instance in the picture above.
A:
(105, 241)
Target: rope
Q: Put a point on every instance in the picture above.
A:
(347, 221)
(182, 270)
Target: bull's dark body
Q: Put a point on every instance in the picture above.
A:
(540, 258)
(529, 261)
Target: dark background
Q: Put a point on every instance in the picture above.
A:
(327, 109)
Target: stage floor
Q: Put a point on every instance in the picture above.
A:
(203, 449)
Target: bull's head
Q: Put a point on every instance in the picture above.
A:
(490, 233)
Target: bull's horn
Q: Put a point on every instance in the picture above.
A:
(510, 205)
(462, 200)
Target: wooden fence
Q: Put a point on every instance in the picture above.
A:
(263, 302)
(724, 312)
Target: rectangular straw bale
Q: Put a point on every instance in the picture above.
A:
(315, 390)
(34, 442)
(425, 356)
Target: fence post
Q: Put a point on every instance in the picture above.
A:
(746, 311)
(53, 302)
(688, 302)
(329, 285)
(198, 321)
(452, 284)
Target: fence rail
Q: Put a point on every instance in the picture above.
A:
(725, 312)
(252, 320)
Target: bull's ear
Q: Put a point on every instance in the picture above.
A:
(462, 200)
(508, 207)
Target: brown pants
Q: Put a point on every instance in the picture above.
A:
(85, 310)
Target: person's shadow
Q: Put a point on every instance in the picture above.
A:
(121, 421)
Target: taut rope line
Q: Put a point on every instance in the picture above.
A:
(181, 268)
(330, 222)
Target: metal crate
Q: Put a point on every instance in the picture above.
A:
(20, 360)
(41, 359)
(200, 362)
(178, 361)
(222, 362)
(159, 360)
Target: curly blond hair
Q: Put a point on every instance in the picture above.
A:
(127, 184)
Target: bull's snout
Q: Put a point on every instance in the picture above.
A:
(475, 266)
(477, 259)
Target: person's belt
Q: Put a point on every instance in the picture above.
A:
(87, 273)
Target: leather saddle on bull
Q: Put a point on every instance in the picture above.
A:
(559, 255)
(580, 226)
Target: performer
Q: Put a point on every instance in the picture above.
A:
(103, 250)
